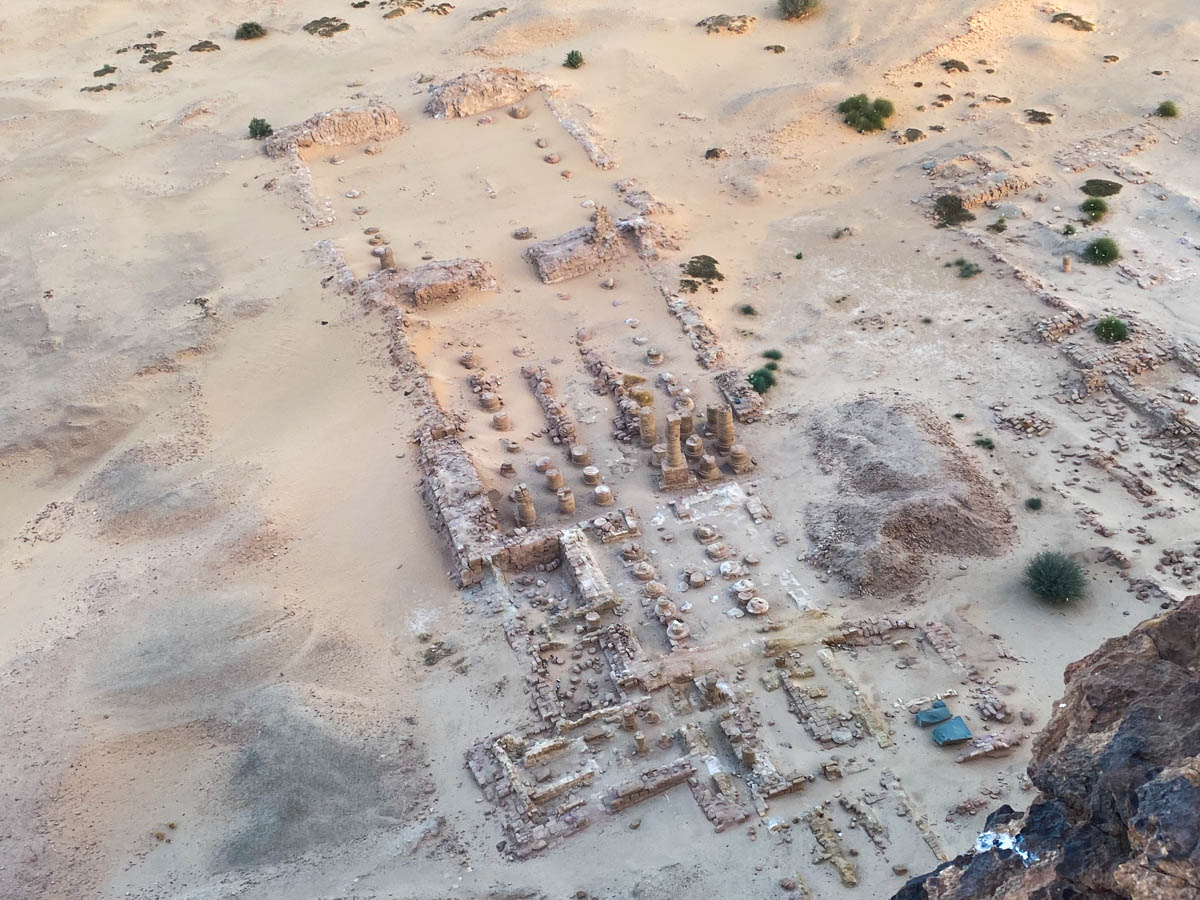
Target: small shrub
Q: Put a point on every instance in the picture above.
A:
(1055, 577)
(260, 128)
(107, 70)
(248, 31)
(1111, 330)
(795, 10)
(863, 114)
(948, 209)
(773, 354)
(799, 255)
(1167, 109)
(1033, 504)
(1100, 187)
(999, 226)
(574, 60)
(747, 309)
(1101, 251)
(1094, 208)
(955, 65)
(960, 415)
(985, 442)
(966, 269)
(771, 366)
(1068, 229)
(1038, 117)
(703, 267)
(926, 320)
(762, 380)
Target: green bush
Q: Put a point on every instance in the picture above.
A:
(1099, 187)
(762, 380)
(771, 366)
(966, 269)
(574, 60)
(999, 226)
(1055, 577)
(948, 209)
(1033, 503)
(1111, 330)
(248, 31)
(1077, 22)
(794, 10)
(955, 65)
(1068, 229)
(260, 128)
(985, 442)
(747, 309)
(863, 114)
(1101, 251)
(773, 354)
(1167, 109)
(1094, 208)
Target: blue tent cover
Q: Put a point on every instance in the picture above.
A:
(936, 713)
(953, 732)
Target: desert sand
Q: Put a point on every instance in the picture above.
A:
(277, 617)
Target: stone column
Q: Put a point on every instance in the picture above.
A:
(526, 514)
(566, 500)
(739, 459)
(709, 470)
(693, 447)
(674, 448)
(647, 428)
(725, 435)
(554, 479)
(711, 415)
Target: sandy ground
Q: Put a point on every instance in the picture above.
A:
(217, 563)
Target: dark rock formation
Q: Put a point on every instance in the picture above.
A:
(1118, 770)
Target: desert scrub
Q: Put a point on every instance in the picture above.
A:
(955, 65)
(965, 269)
(1054, 576)
(772, 354)
(948, 209)
(1033, 504)
(1111, 330)
(762, 380)
(1167, 109)
(574, 60)
(795, 10)
(1094, 208)
(260, 128)
(248, 31)
(747, 309)
(1068, 229)
(1100, 187)
(1101, 251)
(999, 226)
(771, 366)
(985, 442)
(703, 267)
(863, 114)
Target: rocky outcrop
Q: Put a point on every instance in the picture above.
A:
(338, 127)
(435, 282)
(1118, 771)
(476, 92)
(579, 251)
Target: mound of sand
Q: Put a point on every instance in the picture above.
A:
(349, 125)
(907, 493)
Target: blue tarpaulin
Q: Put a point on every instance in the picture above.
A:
(936, 713)
(953, 732)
